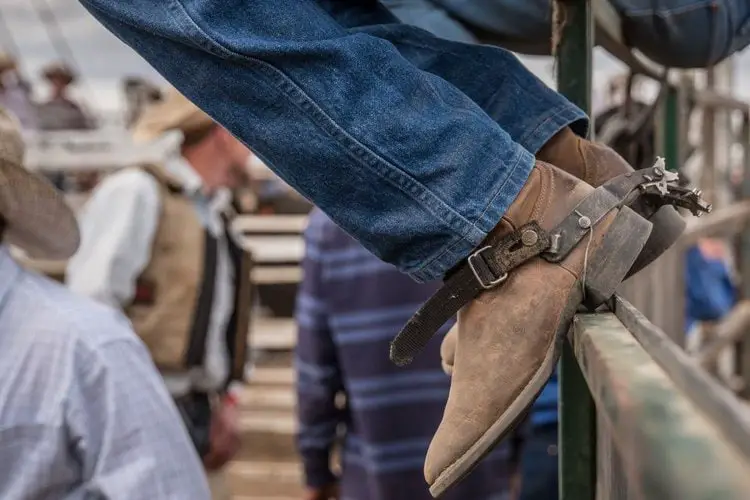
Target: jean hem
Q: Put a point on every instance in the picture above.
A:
(504, 195)
(549, 124)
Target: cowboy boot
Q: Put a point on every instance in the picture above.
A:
(595, 164)
(510, 334)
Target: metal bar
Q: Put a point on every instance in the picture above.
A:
(577, 412)
(662, 446)
(607, 20)
(716, 402)
(743, 349)
(729, 330)
(609, 36)
(672, 132)
(723, 222)
(709, 98)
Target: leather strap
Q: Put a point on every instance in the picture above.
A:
(489, 265)
(484, 269)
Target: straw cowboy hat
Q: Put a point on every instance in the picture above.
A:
(37, 219)
(59, 70)
(173, 112)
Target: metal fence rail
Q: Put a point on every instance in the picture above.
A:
(660, 434)
(640, 419)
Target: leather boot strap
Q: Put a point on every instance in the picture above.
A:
(489, 266)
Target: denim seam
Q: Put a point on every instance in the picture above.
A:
(451, 247)
(361, 153)
(666, 13)
(561, 110)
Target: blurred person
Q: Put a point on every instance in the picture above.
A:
(674, 33)
(448, 160)
(710, 286)
(60, 111)
(84, 414)
(350, 305)
(15, 93)
(156, 244)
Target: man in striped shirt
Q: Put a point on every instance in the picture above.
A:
(349, 307)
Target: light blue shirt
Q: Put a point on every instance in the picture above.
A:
(83, 412)
(118, 226)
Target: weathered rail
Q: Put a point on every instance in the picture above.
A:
(664, 429)
(640, 418)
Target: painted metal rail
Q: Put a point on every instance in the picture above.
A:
(640, 418)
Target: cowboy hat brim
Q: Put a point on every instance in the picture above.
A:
(37, 219)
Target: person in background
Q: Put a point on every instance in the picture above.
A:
(15, 93)
(84, 414)
(350, 304)
(710, 287)
(156, 244)
(60, 111)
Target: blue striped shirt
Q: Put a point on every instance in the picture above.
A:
(349, 308)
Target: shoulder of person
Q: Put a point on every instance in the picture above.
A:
(130, 179)
(55, 315)
(130, 185)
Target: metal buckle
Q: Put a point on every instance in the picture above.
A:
(482, 283)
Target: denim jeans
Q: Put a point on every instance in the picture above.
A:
(414, 145)
(677, 33)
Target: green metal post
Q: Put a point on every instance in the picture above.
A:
(671, 138)
(577, 412)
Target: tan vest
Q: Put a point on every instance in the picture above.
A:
(174, 294)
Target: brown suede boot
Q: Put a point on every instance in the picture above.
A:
(595, 164)
(509, 336)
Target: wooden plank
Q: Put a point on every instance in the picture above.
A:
(275, 249)
(716, 402)
(276, 275)
(270, 224)
(273, 333)
(666, 448)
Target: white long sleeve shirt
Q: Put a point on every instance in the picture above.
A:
(118, 226)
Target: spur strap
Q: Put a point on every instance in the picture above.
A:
(489, 266)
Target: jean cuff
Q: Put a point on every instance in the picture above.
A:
(550, 123)
(461, 247)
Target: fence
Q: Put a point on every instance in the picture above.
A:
(640, 419)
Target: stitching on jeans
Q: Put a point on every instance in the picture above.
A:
(560, 111)
(392, 173)
(451, 248)
(396, 176)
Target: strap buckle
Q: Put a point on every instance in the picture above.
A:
(476, 258)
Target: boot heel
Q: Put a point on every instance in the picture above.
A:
(620, 247)
(668, 226)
